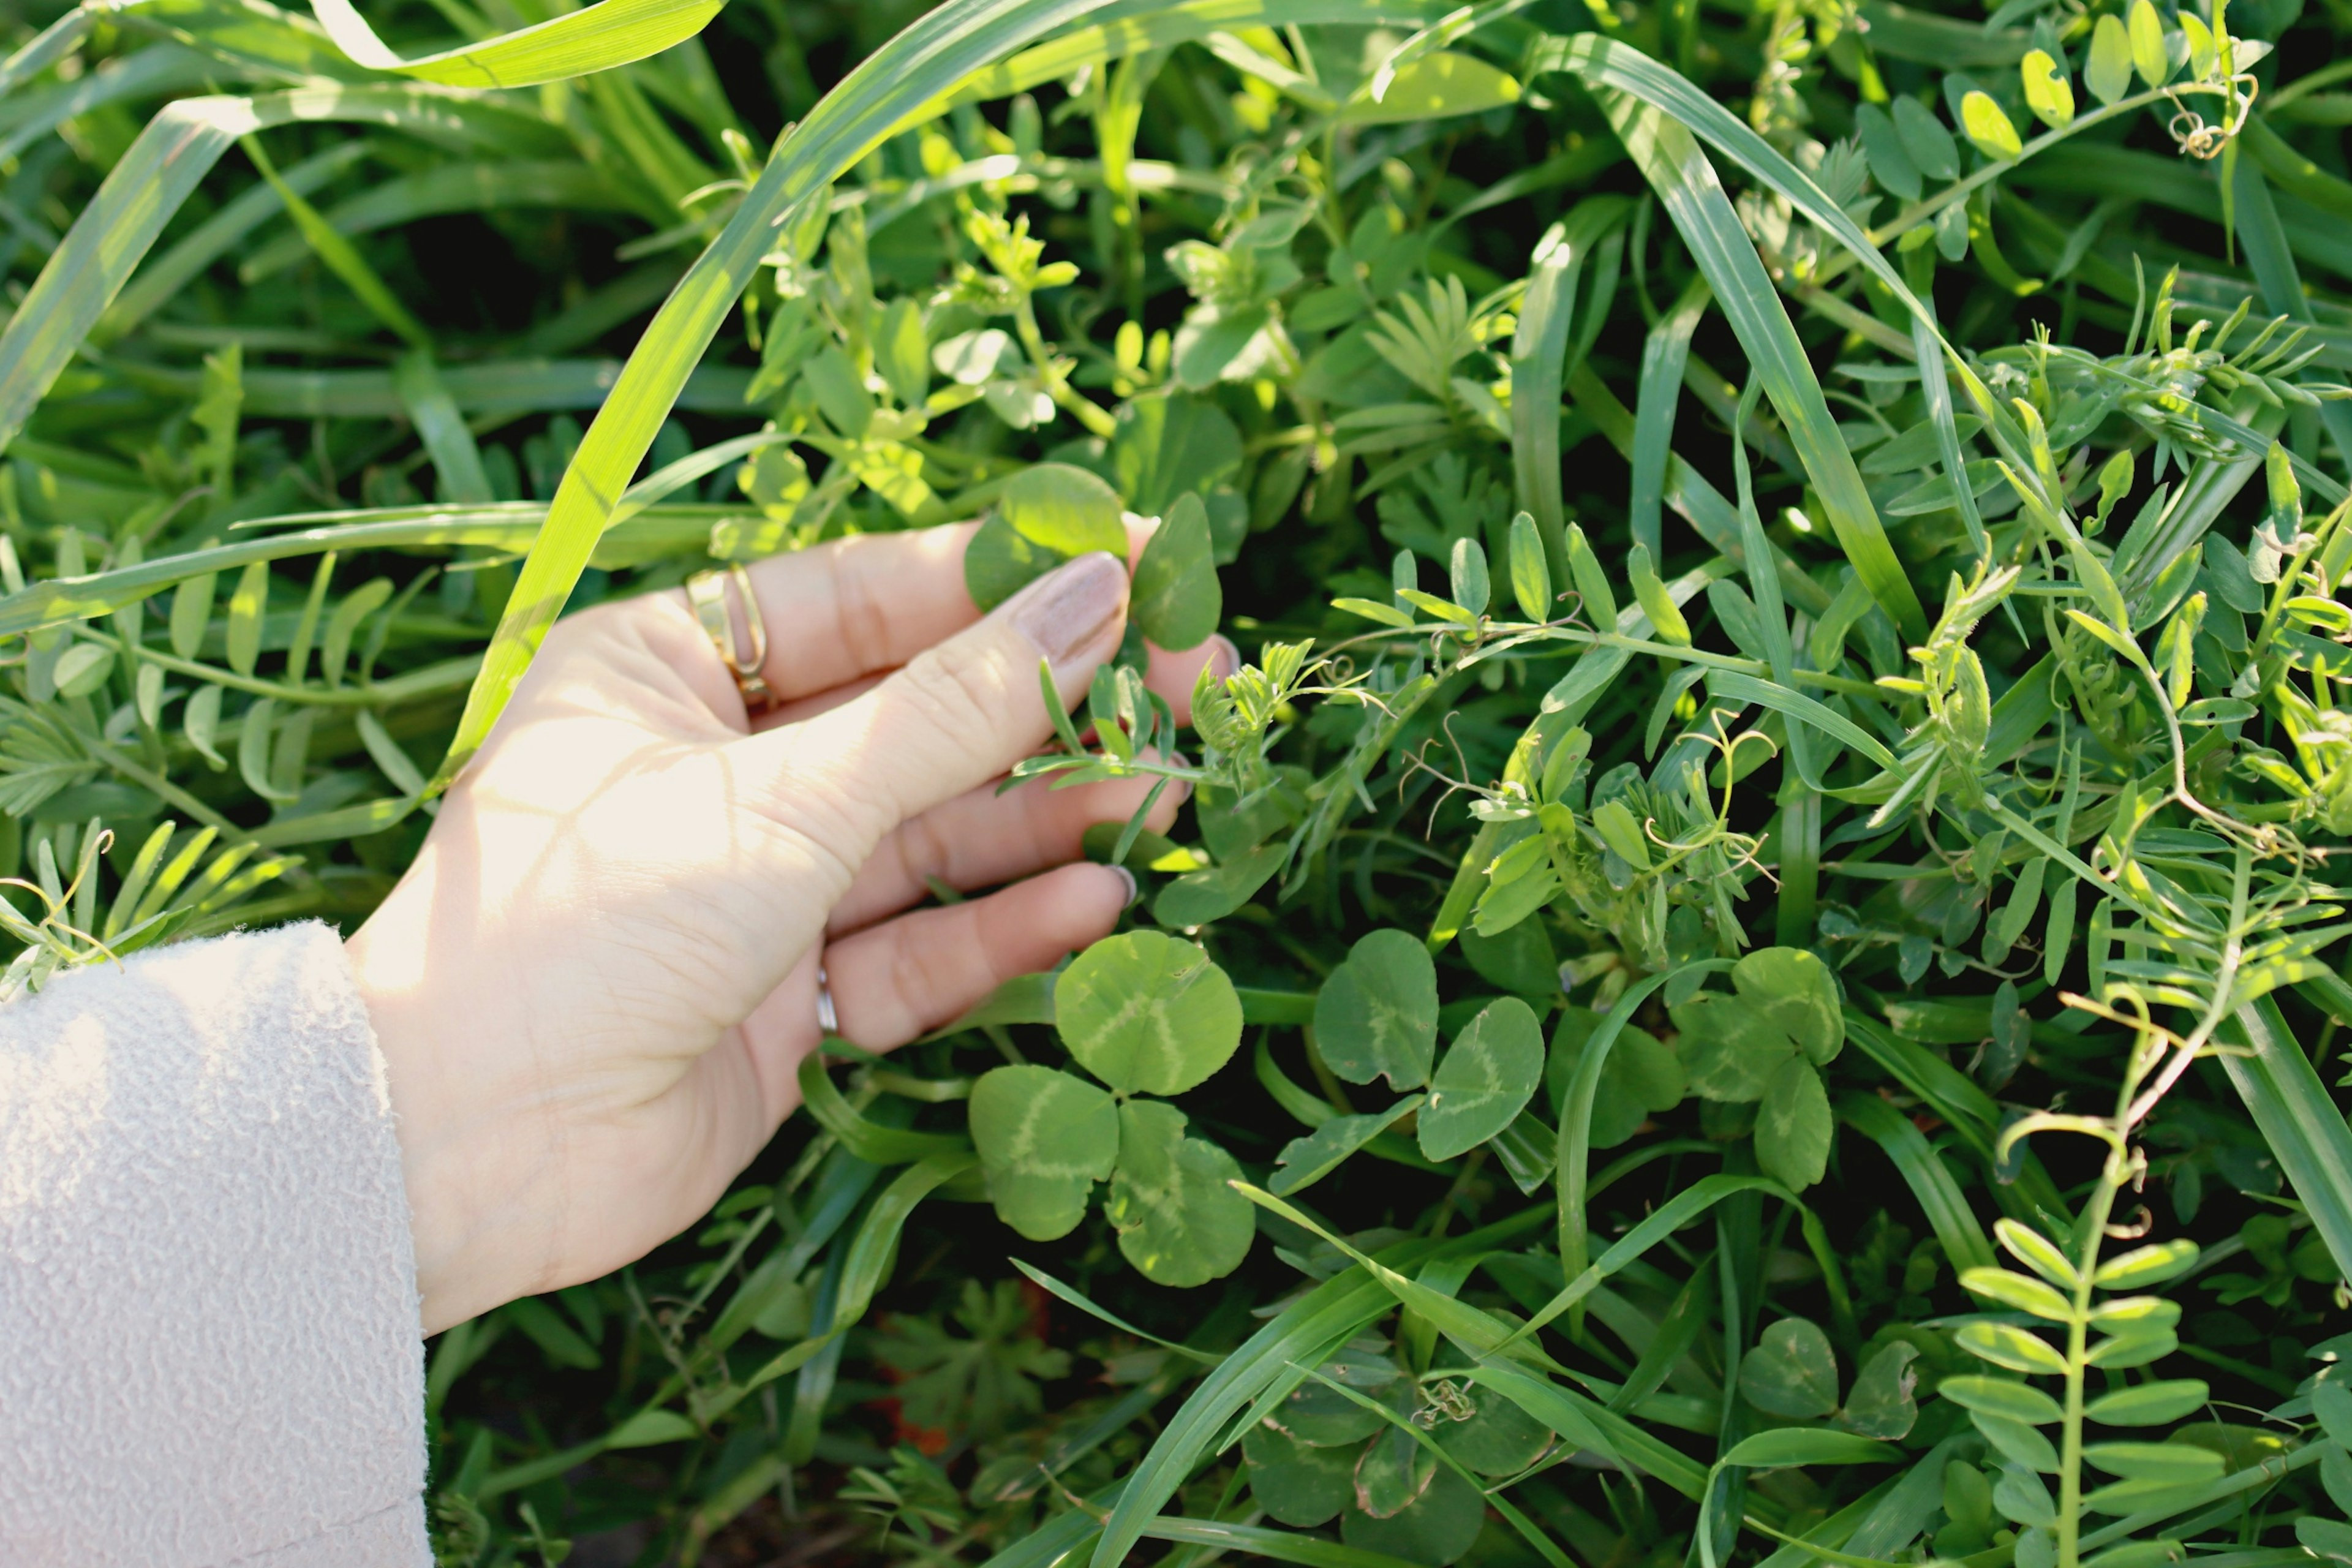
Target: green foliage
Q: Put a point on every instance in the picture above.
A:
(1573, 411)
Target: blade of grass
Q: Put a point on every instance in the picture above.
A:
(1539, 354)
(1954, 1224)
(46, 48)
(941, 48)
(186, 259)
(2298, 1119)
(1575, 1141)
(1670, 158)
(2272, 262)
(456, 461)
(454, 187)
(152, 72)
(1332, 1311)
(1664, 354)
(148, 185)
(596, 37)
(1687, 490)
(341, 256)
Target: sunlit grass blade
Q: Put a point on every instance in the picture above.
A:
(1161, 27)
(142, 191)
(148, 73)
(594, 38)
(1540, 356)
(941, 48)
(47, 48)
(1686, 491)
(265, 42)
(1665, 353)
(188, 256)
(1670, 158)
(341, 257)
(498, 525)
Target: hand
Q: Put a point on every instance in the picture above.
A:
(595, 987)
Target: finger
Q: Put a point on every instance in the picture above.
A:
(957, 716)
(862, 605)
(908, 976)
(1174, 675)
(1171, 675)
(982, 839)
(866, 605)
(853, 606)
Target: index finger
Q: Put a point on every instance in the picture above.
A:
(852, 609)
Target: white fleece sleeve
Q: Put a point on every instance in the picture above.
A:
(208, 1311)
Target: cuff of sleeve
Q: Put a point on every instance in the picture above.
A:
(206, 1278)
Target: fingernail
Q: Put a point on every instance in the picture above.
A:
(1067, 610)
(1128, 877)
(1228, 657)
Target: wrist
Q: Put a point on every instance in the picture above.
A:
(464, 1171)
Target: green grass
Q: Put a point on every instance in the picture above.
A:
(1695, 488)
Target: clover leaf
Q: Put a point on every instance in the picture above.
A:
(1179, 1219)
(1146, 1012)
(1486, 1080)
(1377, 1012)
(1177, 600)
(1045, 1138)
(1045, 514)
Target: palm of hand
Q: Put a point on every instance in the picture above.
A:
(595, 987)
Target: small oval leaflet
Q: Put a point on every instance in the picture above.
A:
(1377, 1012)
(2037, 1252)
(1486, 1080)
(1999, 1396)
(1434, 87)
(2145, 1265)
(2022, 1291)
(1147, 1013)
(2146, 1403)
(2007, 1345)
(1989, 128)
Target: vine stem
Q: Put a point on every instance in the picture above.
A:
(2119, 1170)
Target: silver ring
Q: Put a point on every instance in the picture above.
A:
(827, 1019)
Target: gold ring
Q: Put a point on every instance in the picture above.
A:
(707, 592)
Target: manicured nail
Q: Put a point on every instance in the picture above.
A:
(1128, 878)
(1068, 609)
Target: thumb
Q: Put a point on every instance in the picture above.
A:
(958, 715)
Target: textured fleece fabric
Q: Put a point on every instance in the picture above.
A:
(208, 1341)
